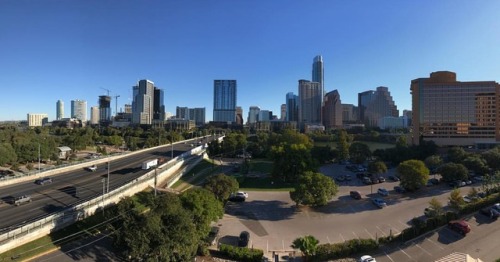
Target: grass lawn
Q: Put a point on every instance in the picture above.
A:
(372, 145)
(263, 184)
(204, 169)
(263, 166)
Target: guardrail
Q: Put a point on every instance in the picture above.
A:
(43, 225)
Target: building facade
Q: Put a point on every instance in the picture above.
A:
(239, 115)
(332, 110)
(158, 105)
(143, 102)
(310, 102)
(454, 113)
(104, 110)
(59, 110)
(79, 110)
(37, 119)
(318, 73)
(376, 104)
(224, 101)
(292, 107)
(182, 112)
(94, 115)
(349, 113)
(253, 115)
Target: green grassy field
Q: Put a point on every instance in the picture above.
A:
(372, 145)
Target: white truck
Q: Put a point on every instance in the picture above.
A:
(149, 164)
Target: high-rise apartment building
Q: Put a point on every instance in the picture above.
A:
(94, 115)
(127, 109)
(104, 110)
(158, 105)
(376, 104)
(318, 73)
(37, 119)
(239, 115)
(292, 107)
(265, 115)
(59, 110)
(310, 102)
(143, 102)
(454, 113)
(283, 112)
(332, 110)
(197, 114)
(253, 115)
(79, 110)
(182, 112)
(364, 99)
(224, 101)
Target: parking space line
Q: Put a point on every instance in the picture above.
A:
(283, 243)
(381, 231)
(404, 225)
(343, 239)
(405, 253)
(394, 230)
(328, 239)
(423, 249)
(389, 257)
(355, 234)
(369, 233)
(442, 248)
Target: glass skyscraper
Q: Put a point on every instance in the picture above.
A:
(224, 101)
(318, 73)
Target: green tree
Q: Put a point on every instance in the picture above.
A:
(413, 174)
(313, 189)
(204, 208)
(473, 194)
(343, 145)
(434, 161)
(307, 245)
(435, 206)
(476, 163)
(359, 152)
(492, 158)
(291, 160)
(455, 198)
(377, 167)
(457, 154)
(453, 171)
(7, 154)
(222, 186)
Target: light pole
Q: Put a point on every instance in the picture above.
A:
(107, 187)
(172, 151)
(38, 157)
(103, 184)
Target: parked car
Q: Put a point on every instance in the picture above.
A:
(393, 178)
(367, 258)
(367, 180)
(459, 226)
(383, 192)
(478, 178)
(355, 194)
(43, 181)
(24, 199)
(244, 239)
(399, 189)
(434, 181)
(467, 182)
(241, 193)
(492, 211)
(374, 180)
(236, 198)
(341, 178)
(381, 179)
(379, 202)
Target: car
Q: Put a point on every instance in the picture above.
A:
(360, 175)
(367, 180)
(399, 189)
(434, 181)
(393, 178)
(24, 199)
(43, 181)
(374, 180)
(213, 235)
(236, 198)
(459, 226)
(92, 168)
(478, 178)
(241, 193)
(383, 192)
(467, 182)
(367, 258)
(341, 178)
(347, 177)
(243, 239)
(379, 202)
(491, 212)
(429, 183)
(355, 194)
(381, 179)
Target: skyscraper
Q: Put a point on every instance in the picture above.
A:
(37, 119)
(59, 110)
(283, 112)
(332, 110)
(454, 113)
(292, 107)
(104, 110)
(94, 115)
(310, 96)
(158, 106)
(239, 115)
(224, 100)
(182, 112)
(373, 105)
(253, 115)
(79, 110)
(143, 102)
(318, 73)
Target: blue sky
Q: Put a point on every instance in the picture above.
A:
(68, 50)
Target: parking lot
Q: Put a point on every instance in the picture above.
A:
(274, 222)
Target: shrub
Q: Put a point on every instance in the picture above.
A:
(340, 250)
(242, 254)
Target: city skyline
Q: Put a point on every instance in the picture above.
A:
(91, 46)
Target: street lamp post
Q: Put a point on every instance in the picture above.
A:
(172, 152)
(103, 187)
(107, 186)
(38, 157)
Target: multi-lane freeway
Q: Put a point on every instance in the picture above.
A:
(70, 188)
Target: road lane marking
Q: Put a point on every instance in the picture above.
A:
(405, 253)
(442, 248)
(369, 233)
(343, 239)
(417, 245)
(388, 256)
(381, 231)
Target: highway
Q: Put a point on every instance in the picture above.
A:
(73, 187)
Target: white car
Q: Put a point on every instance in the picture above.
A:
(367, 258)
(241, 193)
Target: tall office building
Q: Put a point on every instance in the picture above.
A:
(376, 105)
(265, 115)
(239, 115)
(283, 112)
(59, 110)
(127, 109)
(182, 113)
(332, 110)
(364, 99)
(104, 110)
(224, 101)
(158, 105)
(318, 73)
(292, 107)
(94, 115)
(197, 114)
(143, 102)
(454, 113)
(253, 115)
(349, 113)
(79, 110)
(310, 102)
(37, 119)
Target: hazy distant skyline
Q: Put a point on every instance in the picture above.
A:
(69, 50)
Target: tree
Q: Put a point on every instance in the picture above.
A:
(492, 158)
(473, 194)
(456, 154)
(436, 207)
(204, 207)
(413, 174)
(322, 154)
(359, 152)
(291, 160)
(455, 198)
(476, 163)
(452, 172)
(432, 162)
(307, 245)
(343, 145)
(222, 186)
(313, 189)
(377, 167)
(7, 154)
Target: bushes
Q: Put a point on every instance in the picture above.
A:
(326, 252)
(472, 207)
(242, 254)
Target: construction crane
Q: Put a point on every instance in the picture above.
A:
(109, 91)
